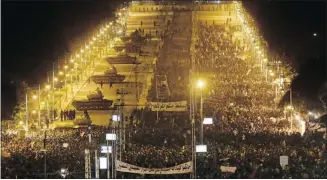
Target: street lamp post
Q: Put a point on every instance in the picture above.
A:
(201, 85)
(291, 102)
(71, 82)
(66, 80)
(111, 137)
(53, 92)
(26, 124)
(39, 113)
(108, 161)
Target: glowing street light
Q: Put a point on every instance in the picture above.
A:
(297, 117)
(47, 86)
(34, 97)
(200, 84)
(289, 107)
(66, 66)
(61, 73)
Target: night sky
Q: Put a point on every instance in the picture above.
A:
(34, 34)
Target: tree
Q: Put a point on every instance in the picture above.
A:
(19, 112)
(322, 96)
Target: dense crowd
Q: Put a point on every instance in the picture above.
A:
(248, 133)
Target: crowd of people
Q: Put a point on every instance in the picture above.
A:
(248, 132)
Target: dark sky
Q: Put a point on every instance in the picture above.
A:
(36, 33)
(288, 27)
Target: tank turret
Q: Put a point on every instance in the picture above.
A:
(96, 95)
(112, 71)
(95, 101)
(128, 47)
(122, 59)
(109, 76)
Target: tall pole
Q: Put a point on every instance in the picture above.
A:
(201, 116)
(87, 164)
(71, 83)
(65, 81)
(45, 154)
(26, 124)
(48, 111)
(193, 175)
(112, 160)
(291, 102)
(96, 164)
(108, 162)
(39, 99)
(53, 86)
(65, 67)
(116, 150)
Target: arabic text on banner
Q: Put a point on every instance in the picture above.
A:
(129, 168)
(169, 106)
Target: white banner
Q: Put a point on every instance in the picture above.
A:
(227, 169)
(283, 160)
(179, 169)
(169, 106)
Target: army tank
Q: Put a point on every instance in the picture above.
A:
(122, 58)
(128, 47)
(95, 101)
(109, 76)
